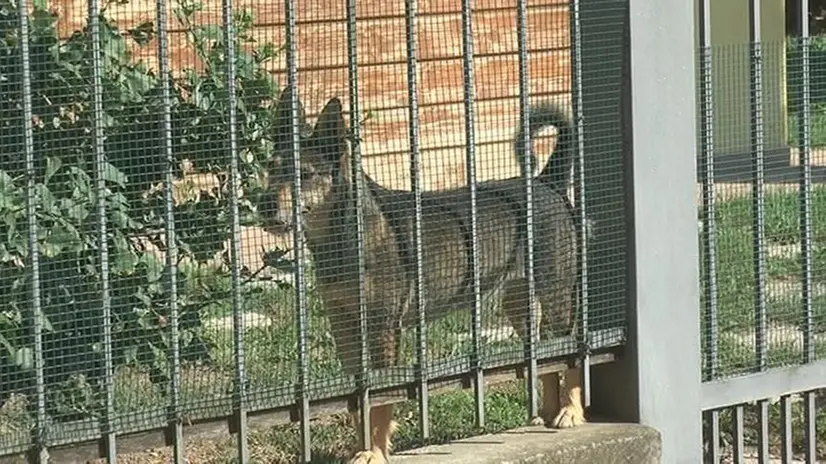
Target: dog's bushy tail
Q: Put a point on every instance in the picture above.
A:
(557, 172)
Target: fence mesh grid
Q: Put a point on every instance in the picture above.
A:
(761, 223)
(156, 153)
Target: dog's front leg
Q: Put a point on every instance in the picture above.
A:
(561, 412)
(383, 342)
(383, 427)
(572, 412)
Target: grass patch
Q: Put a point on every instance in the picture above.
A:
(784, 309)
(736, 276)
(818, 135)
(817, 89)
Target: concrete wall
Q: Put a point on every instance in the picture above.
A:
(383, 82)
(730, 37)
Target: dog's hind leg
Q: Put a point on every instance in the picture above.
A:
(515, 307)
(559, 311)
(342, 302)
(558, 412)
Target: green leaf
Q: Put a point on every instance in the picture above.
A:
(120, 219)
(67, 236)
(24, 358)
(11, 227)
(7, 186)
(131, 354)
(81, 182)
(77, 212)
(143, 298)
(202, 99)
(47, 325)
(9, 347)
(47, 200)
(139, 84)
(211, 32)
(114, 175)
(186, 338)
(125, 258)
(50, 249)
(52, 166)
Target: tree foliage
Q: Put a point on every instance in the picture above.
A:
(66, 196)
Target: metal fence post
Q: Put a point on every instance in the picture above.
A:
(303, 320)
(37, 408)
(175, 410)
(804, 138)
(108, 442)
(239, 396)
(411, 31)
(663, 366)
(597, 70)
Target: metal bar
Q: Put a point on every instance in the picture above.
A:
(382, 16)
(758, 175)
(527, 175)
(40, 430)
(763, 431)
(175, 410)
(579, 190)
(786, 451)
(739, 434)
(707, 181)
(713, 434)
(107, 431)
(768, 384)
(355, 117)
(810, 434)
(303, 319)
(804, 136)
(239, 397)
(470, 160)
(411, 15)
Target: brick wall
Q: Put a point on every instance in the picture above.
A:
(383, 73)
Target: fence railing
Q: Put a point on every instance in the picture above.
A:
(760, 305)
(270, 215)
(188, 243)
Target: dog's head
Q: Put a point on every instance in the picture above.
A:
(323, 156)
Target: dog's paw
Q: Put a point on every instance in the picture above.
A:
(538, 420)
(368, 457)
(568, 417)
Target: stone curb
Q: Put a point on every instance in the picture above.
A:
(590, 443)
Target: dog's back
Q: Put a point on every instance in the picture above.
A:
(501, 237)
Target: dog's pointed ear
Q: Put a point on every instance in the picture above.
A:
(330, 129)
(282, 127)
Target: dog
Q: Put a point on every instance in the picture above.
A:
(328, 189)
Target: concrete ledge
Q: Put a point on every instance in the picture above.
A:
(591, 443)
